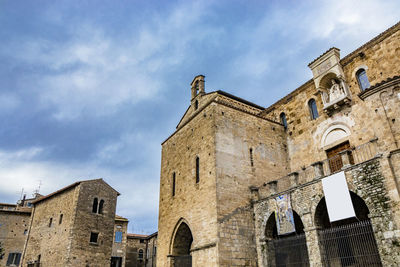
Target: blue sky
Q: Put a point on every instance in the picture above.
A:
(90, 89)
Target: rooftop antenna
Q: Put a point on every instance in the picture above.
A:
(38, 189)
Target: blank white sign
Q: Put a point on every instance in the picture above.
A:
(337, 197)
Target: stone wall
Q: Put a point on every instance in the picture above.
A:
(51, 242)
(83, 252)
(14, 226)
(119, 249)
(132, 252)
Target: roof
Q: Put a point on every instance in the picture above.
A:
(68, 188)
(8, 204)
(120, 218)
(239, 99)
(138, 236)
(22, 212)
(323, 54)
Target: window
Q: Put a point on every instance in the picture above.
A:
(50, 222)
(140, 256)
(196, 104)
(362, 79)
(13, 259)
(95, 202)
(313, 109)
(118, 237)
(94, 237)
(173, 184)
(141, 240)
(25, 231)
(155, 251)
(283, 120)
(101, 205)
(197, 170)
(60, 220)
(251, 157)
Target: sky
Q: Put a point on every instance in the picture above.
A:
(90, 89)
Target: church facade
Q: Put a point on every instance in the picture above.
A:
(312, 180)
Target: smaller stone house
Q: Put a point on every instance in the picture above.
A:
(120, 241)
(13, 233)
(73, 226)
(141, 250)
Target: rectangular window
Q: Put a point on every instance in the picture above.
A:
(60, 220)
(118, 237)
(13, 259)
(50, 222)
(197, 170)
(173, 184)
(141, 241)
(94, 237)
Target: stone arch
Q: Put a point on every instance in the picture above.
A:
(325, 81)
(321, 217)
(181, 239)
(335, 133)
(353, 74)
(270, 230)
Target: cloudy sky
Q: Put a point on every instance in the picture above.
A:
(90, 89)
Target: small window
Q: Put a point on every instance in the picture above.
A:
(61, 218)
(283, 120)
(25, 231)
(50, 222)
(94, 237)
(13, 259)
(173, 183)
(197, 170)
(155, 251)
(251, 157)
(118, 237)
(101, 206)
(95, 203)
(141, 240)
(362, 79)
(312, 105)
(196, 104)
(140, 255)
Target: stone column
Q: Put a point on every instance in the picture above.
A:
(345, 158)
(294, 179)
(318, 169)
(314, 251)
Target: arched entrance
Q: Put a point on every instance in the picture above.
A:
(287, 250)
(349, 242)
(181, 244)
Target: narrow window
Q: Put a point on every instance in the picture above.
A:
(196, 104)
(60, 220)
(118, 237)
(362, 79)
(140, 256)
(312, 105)
(101, 206)
(283, 120)
(13, 259)
(50, 222)
(251, 157)
(94, 237)
(173, 184)
(25, 231)
(95, 202)
(197, 169)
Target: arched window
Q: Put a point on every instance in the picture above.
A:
(140, 255)
(173, 183)
(95, 203)
(283, 120)
(101, 206)
(197, 170)
(313, 109)
(362, 79)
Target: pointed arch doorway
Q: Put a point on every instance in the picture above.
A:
(181, 245)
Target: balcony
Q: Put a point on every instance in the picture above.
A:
(317, 170)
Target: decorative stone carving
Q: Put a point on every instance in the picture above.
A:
(328, 78)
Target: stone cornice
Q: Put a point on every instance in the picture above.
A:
(393, 81)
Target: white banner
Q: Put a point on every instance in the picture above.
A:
(337, 197)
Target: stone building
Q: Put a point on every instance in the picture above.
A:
(120, 242)
(14, 226)
(141, 250)
(245, 185)
(73, 226)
